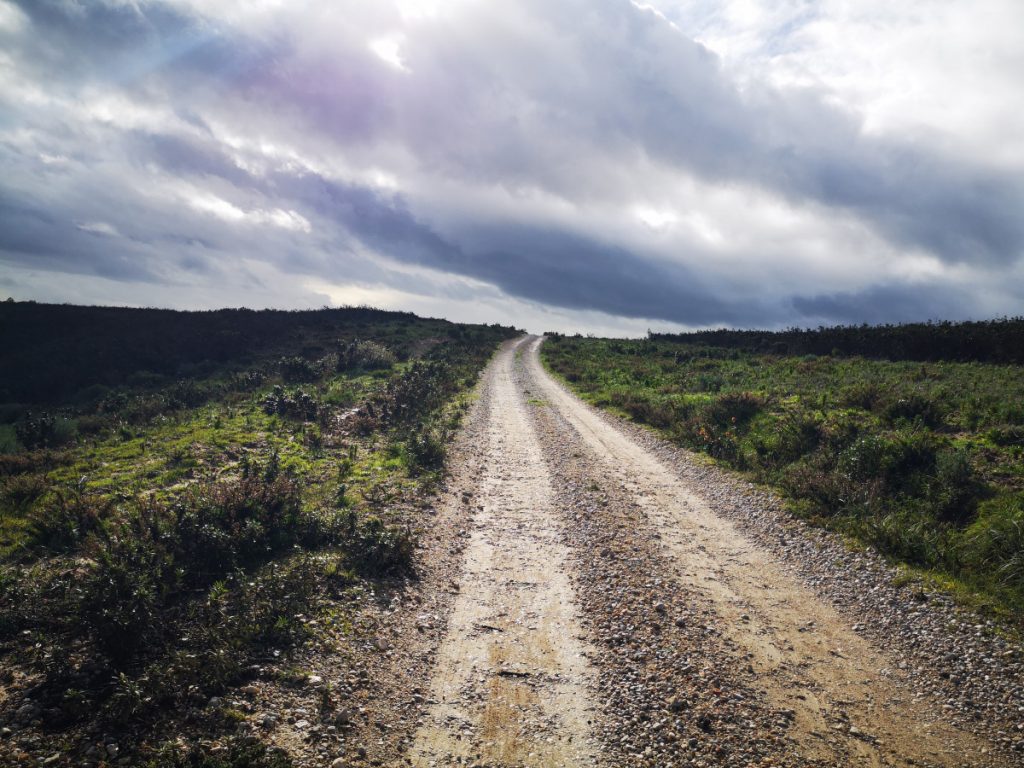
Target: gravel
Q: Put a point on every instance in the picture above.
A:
(673, 691)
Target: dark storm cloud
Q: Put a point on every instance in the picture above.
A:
(38, 238)
(891, 304)
(568, 100)
(550, 266)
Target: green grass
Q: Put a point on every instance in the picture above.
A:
(180, 530)
(924, 461)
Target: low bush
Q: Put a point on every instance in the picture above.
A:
(299, 370)
(426, 449)
(785, 438)
(913, 408)
(66, 517)
(381, 549)
(297, 404)
(994, 542)
(8, 439)
(364, 354)
(45, 430)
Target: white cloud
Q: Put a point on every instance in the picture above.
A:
(946, 72)
(99, 228)
(389, 49)
(11, 18)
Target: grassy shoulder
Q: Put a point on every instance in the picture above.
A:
(922, 460)
(157, 538)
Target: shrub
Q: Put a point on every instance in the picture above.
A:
(19, 492)
(956, 491)
(231, 524)
(185, 394)
(152, 554)
(381, 549)
(426, 449)
(404, 399)
(914, 407)
(45, 430)
(661, 413)
(994, 542)
(831, 492)
(297, 370)
(734, 408)
(364, 354)
(64, 520)
(296, 404)
(123, 594)
(866, 396)
(8, 439)
(908, 533)
(786, 438)
(238, 752)
(1007, 435)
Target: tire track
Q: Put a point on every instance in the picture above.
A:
(512, 685)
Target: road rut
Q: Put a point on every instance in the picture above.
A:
(512, 684)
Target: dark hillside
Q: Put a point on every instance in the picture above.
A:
(988, 341)
(49, 352)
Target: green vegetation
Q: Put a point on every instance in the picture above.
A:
(166, 523)
(921, 460)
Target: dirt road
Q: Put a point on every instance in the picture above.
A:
(512, 684)
(608, 615)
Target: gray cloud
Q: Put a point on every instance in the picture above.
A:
(593, 105)
(891, 304)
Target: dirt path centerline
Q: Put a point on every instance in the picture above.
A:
(512, 686)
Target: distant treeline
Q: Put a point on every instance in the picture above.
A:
(50, 352)
(988, 341)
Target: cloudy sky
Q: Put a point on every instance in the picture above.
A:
(596, 165)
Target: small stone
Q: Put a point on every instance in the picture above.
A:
(112, 750)
(302, 724)
(314, 680)
(338, 762)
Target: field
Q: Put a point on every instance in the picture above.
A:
(184, 494)
(921, 458)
